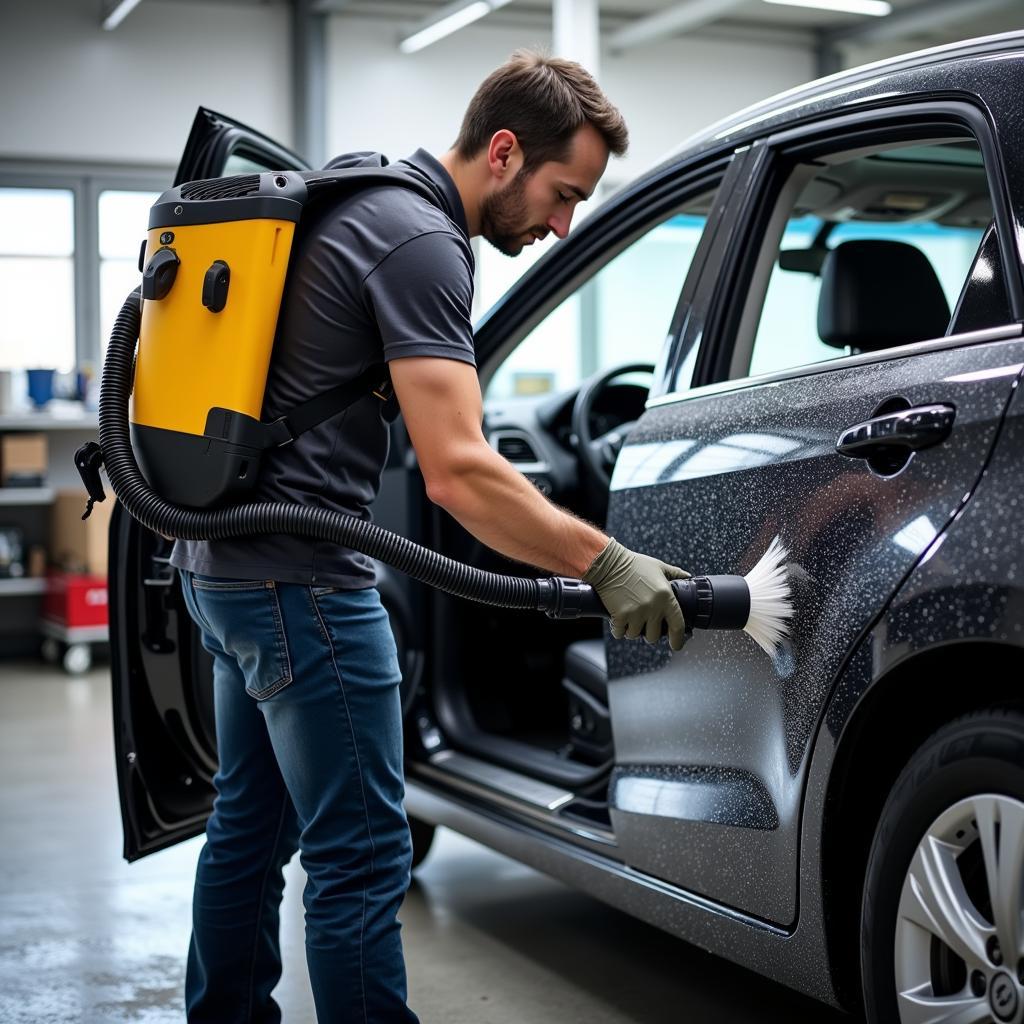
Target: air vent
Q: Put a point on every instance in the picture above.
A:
(235, 187)
(515, 448)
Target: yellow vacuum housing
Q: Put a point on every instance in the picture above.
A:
(214, 269)
(215, 263)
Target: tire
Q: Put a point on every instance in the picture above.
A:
(50, 651)
(959, 800)
(77, 659)
(422, 839)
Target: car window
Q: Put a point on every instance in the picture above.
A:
(243, 163)
(621, 314)
(865, 252)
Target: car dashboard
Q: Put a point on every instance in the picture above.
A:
(535, 433)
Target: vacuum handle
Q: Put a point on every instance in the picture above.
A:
(707, 602)
(562, 597)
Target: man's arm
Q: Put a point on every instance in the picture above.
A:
(443, 411)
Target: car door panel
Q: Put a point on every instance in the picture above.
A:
(216, 141)
(711, 743)
(165, 744)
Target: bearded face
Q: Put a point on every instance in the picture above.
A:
(505, 218)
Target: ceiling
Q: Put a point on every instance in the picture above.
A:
(913, 24)
(934, 21)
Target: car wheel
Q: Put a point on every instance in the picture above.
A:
(942, 920)
(422, 838)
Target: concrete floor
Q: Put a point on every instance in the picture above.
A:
(86, 937)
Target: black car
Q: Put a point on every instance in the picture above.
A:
(805, 324)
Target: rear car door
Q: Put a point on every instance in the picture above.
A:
(162, 677)
(844, 297)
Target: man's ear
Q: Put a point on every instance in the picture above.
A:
(504, 157)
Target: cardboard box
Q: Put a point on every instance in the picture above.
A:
(76, 599)
(78, 545)
(24, 460)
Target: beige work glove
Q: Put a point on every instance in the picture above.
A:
(635, 590)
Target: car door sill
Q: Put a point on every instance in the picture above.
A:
(540, 764)
(507, 789)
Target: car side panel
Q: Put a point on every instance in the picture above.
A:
(712, 743)
(967, 589)
(968, 586)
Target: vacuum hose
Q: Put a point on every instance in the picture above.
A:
(707, 602)
(152, 511)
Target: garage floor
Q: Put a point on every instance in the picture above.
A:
(86, 937)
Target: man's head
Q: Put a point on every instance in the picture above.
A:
(534, 142)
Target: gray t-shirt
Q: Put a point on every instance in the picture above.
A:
(380, 275)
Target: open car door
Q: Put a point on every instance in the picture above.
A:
(164, 739)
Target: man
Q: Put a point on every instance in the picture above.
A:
(305, 668)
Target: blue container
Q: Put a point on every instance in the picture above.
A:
(40, 386)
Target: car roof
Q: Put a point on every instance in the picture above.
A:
(752, 120)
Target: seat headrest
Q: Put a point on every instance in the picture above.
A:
(876, 294)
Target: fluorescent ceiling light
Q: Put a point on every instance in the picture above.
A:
(876, 8)
(448, 20)
(118, 12)
(689, 14)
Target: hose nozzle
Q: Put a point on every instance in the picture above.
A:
(758, 603)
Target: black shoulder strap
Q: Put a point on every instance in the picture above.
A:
(352, 178)
(374, 379)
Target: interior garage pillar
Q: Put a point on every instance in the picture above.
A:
(309, 81)
(576, 33)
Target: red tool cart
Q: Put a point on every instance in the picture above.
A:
(74, 618)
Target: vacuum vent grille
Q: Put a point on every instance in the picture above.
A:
(235, 187)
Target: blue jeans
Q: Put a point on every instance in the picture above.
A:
(309, 736)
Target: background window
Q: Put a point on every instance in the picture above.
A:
(932, 197)
(622, 314)
(37, 289)
(123, 220)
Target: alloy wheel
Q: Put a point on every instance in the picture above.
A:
(959, 942)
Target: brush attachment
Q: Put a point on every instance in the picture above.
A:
(771, 606)
(758, 603)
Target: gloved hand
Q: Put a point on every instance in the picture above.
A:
(635, 590)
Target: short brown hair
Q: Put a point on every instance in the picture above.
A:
(544, 101)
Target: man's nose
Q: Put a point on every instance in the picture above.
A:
(559, 223)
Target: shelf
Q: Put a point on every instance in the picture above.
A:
(26, 495)
(23, 585)
(64, 416)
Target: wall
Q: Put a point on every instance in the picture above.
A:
(71, 90)
(381, 99)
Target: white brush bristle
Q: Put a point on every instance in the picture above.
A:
(770, 603)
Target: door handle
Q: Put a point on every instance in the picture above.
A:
(913, 429)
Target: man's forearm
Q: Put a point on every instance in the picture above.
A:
(501, 508)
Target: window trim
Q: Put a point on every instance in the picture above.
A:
(587, 296)
(85, 181)
(1005, 332)
(773, 156)
(598, 240)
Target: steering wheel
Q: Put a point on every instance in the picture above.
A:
(598, 454)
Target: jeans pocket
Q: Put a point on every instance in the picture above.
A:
(245, 618)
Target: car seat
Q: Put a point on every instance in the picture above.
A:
(876, 294)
